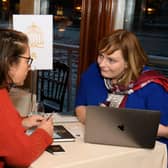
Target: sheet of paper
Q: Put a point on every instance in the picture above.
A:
(59, 118)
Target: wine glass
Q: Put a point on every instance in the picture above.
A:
(40, 108)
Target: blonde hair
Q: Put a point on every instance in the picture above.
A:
(132, 52)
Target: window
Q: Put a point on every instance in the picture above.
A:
(149, 20)
(6, 11)
(66, 25)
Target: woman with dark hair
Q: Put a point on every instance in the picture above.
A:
(17, 149)
(121, 78)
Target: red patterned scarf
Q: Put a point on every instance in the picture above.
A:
(145, 78)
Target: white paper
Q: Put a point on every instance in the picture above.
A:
(39, 29)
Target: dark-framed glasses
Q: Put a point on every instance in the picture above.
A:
(29, 59)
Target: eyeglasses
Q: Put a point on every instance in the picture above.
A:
(29, 59)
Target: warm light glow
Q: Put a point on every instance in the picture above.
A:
(151, 10)
(4, 0)
(78, 8)
(61, 29)
(60, 11)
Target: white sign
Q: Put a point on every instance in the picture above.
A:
(39, 29)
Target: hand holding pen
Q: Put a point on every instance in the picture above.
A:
(32, 121)
(47, 124)
(50, 116)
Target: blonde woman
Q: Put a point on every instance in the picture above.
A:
(121, 78)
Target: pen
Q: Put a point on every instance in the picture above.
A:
(49, 116)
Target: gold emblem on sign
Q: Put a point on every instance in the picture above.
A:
(36, 36)
(34, 55)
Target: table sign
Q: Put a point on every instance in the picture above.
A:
(39, 29)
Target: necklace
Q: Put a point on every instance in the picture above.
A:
(114, 100)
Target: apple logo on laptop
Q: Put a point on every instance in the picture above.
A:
(121, 127)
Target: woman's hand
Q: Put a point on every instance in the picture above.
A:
(81, 113)
(47, 125)
(162, 131)
(32, 121)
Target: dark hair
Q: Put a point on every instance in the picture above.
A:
(12, 44)
(131, 49)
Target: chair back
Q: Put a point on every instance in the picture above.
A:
(52, 86)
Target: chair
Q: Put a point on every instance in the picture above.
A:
(52, 86)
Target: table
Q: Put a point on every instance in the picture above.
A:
(84, 155)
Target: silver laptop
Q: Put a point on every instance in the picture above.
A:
(121, 126)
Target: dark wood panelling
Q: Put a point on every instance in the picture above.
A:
(97, 21)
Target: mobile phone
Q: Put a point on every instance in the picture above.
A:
(55, 148)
